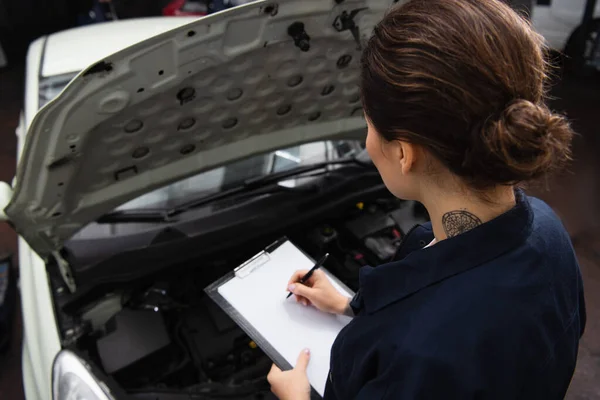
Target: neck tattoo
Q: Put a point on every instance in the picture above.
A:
(457, 222)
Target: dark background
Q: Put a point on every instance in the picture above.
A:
(575, 194)
(22, 21)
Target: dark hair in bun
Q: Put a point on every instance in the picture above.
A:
(466, 80)
(526, 142)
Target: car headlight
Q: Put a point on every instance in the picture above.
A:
(73, 380)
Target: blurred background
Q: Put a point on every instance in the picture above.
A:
(571, 28)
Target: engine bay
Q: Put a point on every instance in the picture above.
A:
(163, 338)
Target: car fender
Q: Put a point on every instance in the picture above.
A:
(41, 342)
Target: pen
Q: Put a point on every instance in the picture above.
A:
(310, 273)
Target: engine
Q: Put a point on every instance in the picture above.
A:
(166, 338)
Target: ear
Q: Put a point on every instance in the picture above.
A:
(407, 153)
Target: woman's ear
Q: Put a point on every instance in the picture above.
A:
(407, 153)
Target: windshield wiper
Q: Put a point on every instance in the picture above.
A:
(142, 216)
(293, 172)
(254, 186)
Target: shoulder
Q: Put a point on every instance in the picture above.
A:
(545, 218)
(549, 238)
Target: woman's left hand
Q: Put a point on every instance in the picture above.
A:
(293, 384)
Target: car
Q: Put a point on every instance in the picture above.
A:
(154, 157)
(559, 21)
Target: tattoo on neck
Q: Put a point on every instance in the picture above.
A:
(457, 222)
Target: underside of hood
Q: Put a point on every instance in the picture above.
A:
(249, 80)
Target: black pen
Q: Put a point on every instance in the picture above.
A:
(306, 277)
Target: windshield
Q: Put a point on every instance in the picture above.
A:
(234, 174)
(51, 86)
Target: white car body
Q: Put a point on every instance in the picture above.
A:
(60, 53)
(557, 21)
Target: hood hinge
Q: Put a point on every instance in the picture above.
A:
(65, 271)
(345, 22)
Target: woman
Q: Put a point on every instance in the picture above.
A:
(492, 308)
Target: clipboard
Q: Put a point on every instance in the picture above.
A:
(254, 264)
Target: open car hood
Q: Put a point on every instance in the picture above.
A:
(249, 80)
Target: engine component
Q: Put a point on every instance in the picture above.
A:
(323, 235)
(103, 311)
(383, 248)
(155, 298)
(134, 337)
(370, 223)
(408, 215)
(218, 346)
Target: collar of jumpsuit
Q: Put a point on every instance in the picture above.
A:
(391, 282)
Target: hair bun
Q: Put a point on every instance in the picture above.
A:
(529, 140)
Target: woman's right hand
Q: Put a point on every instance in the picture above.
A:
(318, 291)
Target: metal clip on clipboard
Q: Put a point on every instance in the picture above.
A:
(252, 265)
(258, 260)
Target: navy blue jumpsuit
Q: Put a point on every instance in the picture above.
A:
(494, 313)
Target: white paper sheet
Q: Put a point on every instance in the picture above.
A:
(288, 326)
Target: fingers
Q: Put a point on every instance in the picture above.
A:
(297, 276)
(318, 275)
(300, 290)
(303, 300)
(273, 373)
(303, 360)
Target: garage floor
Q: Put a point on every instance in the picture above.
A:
(575, 196)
